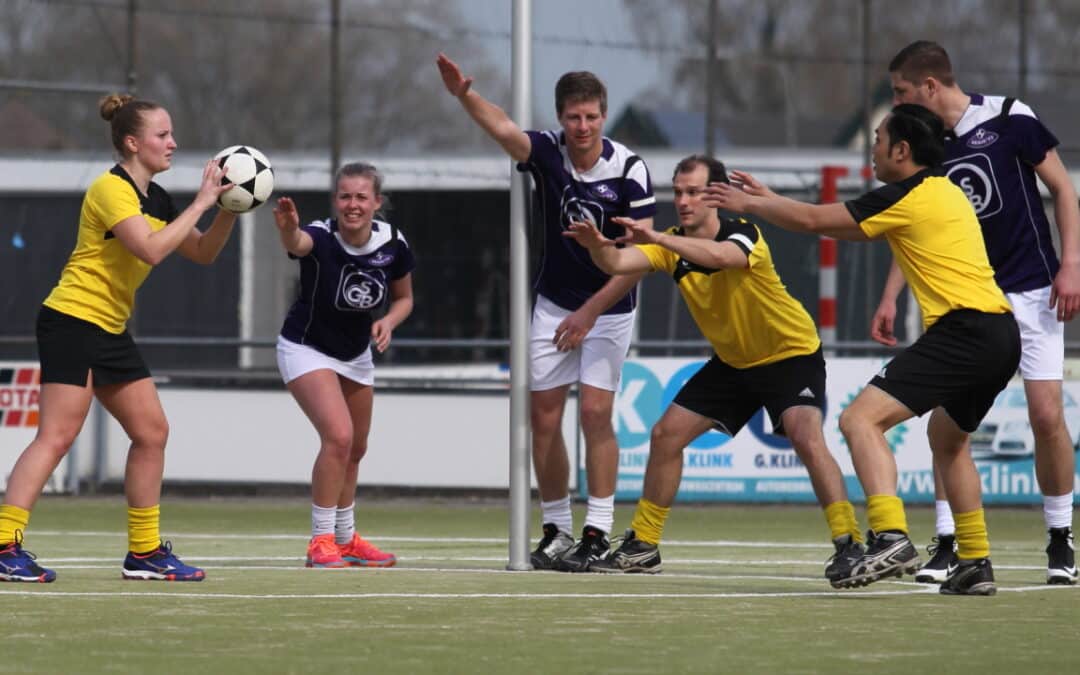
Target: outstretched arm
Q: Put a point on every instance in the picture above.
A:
(627, 266)
(293, 239)
(491, 118)
(1065, 291)
(607, 257)
(705, 252)
(748, 195)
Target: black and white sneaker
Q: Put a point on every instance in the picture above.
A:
(848, 551)
(942, 550)
(970, 577)
(592, 546)
(1061, 558)
(631, 557)
(888, 554)
(552, 547)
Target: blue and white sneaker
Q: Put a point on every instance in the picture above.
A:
(17, 564)
(159, 565)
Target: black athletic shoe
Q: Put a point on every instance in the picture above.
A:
(1061, 559)
(970, 577)
(633, 556)
(552, 547)
(591, 547)
(888, 554)
(942, 550)
(848, 552)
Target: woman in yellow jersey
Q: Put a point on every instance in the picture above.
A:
(970, 349)
(127, 225)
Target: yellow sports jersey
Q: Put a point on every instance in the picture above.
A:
(747, 314)
(100, 278)
(937, 242)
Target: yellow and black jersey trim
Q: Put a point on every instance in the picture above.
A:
(156, 203)
(738, 231)
(881, 199)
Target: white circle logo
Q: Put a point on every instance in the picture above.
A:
(975, 183)
(362, 290)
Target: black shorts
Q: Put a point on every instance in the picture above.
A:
(69, 348)
(731, 396)
(960, 363)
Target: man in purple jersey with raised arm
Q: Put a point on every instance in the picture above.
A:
(583, 318)
(994, 151)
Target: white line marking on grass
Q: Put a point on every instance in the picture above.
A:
(491, 596)
(501, 541)
(84, 562)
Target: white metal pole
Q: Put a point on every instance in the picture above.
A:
(521, 78)
(247, 287)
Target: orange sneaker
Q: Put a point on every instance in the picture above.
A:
(362, 553)
(323, 552)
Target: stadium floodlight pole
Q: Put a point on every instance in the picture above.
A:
(521, 78)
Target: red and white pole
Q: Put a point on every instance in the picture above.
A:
(827, 261)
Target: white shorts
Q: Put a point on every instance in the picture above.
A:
(1042, 336)
(597, 362)
(294, 360)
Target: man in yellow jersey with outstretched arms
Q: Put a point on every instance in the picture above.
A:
(968, 352)
(767, 354)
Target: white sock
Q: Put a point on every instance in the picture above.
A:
(945, 524)
(322, 519)
(1058, 510)
(601, 513)
(558, 512)
(344, 524)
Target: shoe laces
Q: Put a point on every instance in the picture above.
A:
(15, 547)
(550, 532)
(324, 545)
(932, 548)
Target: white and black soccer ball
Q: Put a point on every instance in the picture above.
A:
(251, 175)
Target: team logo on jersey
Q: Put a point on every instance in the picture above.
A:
(381, 259)
(974, 174)
(360, 290)
(575, 209)
(604, 191)
(982, 138)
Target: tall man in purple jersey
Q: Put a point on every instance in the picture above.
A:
(582, 320)
(994, 151)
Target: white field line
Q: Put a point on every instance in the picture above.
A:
(502, 541)
(88, 562)
(494, 596)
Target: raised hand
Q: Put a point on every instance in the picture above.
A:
(286, 216)
(212, 185)
(748, 184)
(456, 83)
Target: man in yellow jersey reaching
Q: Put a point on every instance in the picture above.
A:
(968, 352)
(767, 354)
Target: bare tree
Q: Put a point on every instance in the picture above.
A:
(250, 71)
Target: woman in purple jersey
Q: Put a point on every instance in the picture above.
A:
(350, 267)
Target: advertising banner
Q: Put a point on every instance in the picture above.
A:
(758, 466)
(20, 386)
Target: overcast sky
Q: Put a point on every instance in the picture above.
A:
(586, 26)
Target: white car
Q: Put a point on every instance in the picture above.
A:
(1005, 432)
